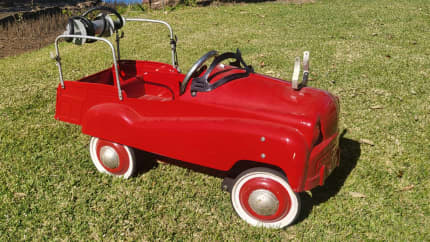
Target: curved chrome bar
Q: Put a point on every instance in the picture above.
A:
(172, 37)
(57, 58)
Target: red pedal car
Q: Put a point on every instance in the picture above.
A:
(221, 115)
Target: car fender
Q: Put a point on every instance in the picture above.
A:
(110, 121)
(285, 148)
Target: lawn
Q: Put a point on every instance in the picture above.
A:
(374, 55)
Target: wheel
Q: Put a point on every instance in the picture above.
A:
(262, 197)
(112, 158)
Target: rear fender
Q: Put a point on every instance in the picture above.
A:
(110, 121)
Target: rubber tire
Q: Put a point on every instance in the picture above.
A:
(276, 176)
(130, 154)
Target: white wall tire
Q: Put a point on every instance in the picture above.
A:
(112, 158)
(263, 198)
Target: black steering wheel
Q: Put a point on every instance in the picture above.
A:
(195, 67)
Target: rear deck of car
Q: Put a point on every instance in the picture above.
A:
(142, 80)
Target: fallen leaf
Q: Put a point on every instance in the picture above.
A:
(19, 194)
(262, 64)
(367, 142)
(407, 188)
(388, 163)
(161, 162)
(377, 107)
(357, 195)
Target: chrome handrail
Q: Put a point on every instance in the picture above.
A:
(115, 60)
(58, 59)
(172, 38)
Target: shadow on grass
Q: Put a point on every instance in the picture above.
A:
(145, 161)
(350, 152)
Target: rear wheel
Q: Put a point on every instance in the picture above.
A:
(112, 158)
(262, 197)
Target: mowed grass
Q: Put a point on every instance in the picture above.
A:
(374, 55)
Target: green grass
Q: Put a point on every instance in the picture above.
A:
(369, 53)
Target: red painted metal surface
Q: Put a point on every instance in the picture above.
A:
(257, 118)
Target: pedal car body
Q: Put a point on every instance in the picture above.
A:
(219, 116)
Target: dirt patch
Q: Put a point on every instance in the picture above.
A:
(10, 8)
(161, 4)
(28, 25)
(30, 34)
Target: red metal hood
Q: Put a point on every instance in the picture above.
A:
(268, 98)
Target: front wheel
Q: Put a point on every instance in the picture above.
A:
(112, 158)
(262, 197)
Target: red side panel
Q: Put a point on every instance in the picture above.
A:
(74, 100)
(207, 137)
(69, 105)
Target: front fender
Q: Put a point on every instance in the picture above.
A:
(287, 149)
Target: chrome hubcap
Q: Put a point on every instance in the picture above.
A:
(109, 157)
(263, 202)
